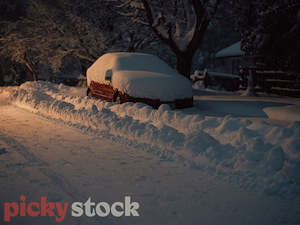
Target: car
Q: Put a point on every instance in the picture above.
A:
(137, 77)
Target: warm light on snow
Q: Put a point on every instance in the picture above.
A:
(265, 154)
(141, 75)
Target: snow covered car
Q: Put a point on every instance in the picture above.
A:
(137, 77)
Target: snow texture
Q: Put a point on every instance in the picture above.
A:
(232, 50)
(140, 75)
(257, 155)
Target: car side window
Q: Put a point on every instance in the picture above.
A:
(108, 75)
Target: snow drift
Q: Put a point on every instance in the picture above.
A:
(255, 154)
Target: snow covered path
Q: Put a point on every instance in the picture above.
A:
(43, 157)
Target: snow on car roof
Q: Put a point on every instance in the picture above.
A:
(127, 61)
(232, 50)
(142, 62)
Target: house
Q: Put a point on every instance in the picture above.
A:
(229, 59)
(270, 74)
(225, 73)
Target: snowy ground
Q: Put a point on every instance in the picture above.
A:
(229, 160)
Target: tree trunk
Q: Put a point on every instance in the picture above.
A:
(184, 64)
(32, 72)
(1, 78)
(202, 20)
(250, 88)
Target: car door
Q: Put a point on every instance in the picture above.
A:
(104, 90)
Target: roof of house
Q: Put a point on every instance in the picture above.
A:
(232, 50)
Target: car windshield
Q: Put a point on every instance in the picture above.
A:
(143, 63)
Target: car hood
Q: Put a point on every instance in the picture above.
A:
(143, 84)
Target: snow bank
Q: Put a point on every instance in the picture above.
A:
(256, 155)
(290, 113)
(140, 75)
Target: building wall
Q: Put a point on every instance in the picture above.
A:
(228, 64)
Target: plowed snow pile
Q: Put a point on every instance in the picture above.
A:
(256, 155)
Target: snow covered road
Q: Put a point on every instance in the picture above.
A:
(44, 157)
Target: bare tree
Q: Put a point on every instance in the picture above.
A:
(180, 24)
